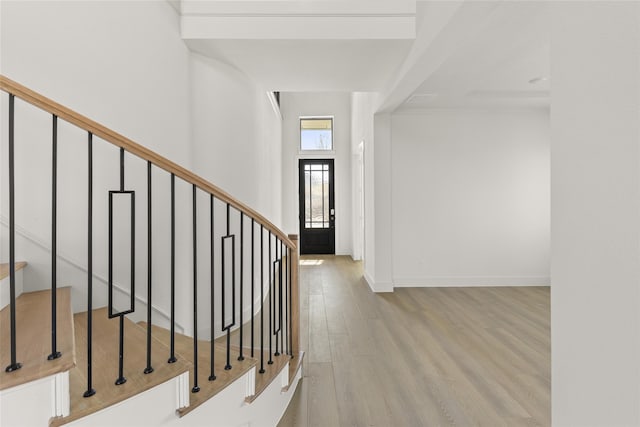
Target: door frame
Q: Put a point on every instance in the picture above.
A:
(326, 155)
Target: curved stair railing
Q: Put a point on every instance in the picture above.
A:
(268, 269)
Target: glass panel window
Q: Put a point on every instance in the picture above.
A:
(316, 134)
(316, 182)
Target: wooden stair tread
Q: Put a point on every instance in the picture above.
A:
(4, 268)
(208, 389)
(33, 337)
(271, 371)
(294, 365)
(105, 365)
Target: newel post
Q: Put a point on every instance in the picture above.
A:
(295, 298)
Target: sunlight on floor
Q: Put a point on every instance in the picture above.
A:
(311, 261)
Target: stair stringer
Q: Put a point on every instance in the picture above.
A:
(154, 407)
(38, 252)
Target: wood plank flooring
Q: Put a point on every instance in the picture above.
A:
(419, 356)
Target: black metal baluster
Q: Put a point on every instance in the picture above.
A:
(172, 355)
(54, 240)
(90, 391)
(149, 368)
(121, 378)
(275, 296)
(280, 331)
(285, 333)
(121, 169)
(253, 226)
(286, 298)
(270, 362)
(14, 365)
(261, 299)
(241, 357)
(212, 375)
(195, 388)
(228, 365)
(289, 264)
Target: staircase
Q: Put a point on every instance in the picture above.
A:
(111, 362)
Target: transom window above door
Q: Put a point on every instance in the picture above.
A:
(316, 134)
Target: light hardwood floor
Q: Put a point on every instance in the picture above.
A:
(419, 356)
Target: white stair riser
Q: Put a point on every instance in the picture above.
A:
(34, 403)
(156, 407)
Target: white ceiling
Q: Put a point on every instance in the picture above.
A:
(464, 54)
(310, 65)
(494, 65)
(306, 46)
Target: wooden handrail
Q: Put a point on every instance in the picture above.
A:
(138, 150)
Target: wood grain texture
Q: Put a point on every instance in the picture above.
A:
(33, 337)
(270, 372)
(105, 362)
(281, 361)
(295, 296)
(144, 153)
(184, 352)
(420, 356)
(294, 366)
(4, 268)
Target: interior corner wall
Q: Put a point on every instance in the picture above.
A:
(293, 106)
(382, 280)
(237, 136)
(236, 146)
(362, 105)
(471, 198)
(362, 109)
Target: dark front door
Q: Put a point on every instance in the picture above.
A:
(317, 214)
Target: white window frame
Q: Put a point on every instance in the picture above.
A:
(316, 153)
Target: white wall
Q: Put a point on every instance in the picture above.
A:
(595, 216)
(120, 63)
(237, 135)
(338, 105)
(361, 146)
(362, 105)
(237, 146)
(470, 198)
(382, 279)
(124, 65)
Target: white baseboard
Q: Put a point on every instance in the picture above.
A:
(378, 286)
(369, 281)
(470, 281)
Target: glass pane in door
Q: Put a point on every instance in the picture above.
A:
(316, 201)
